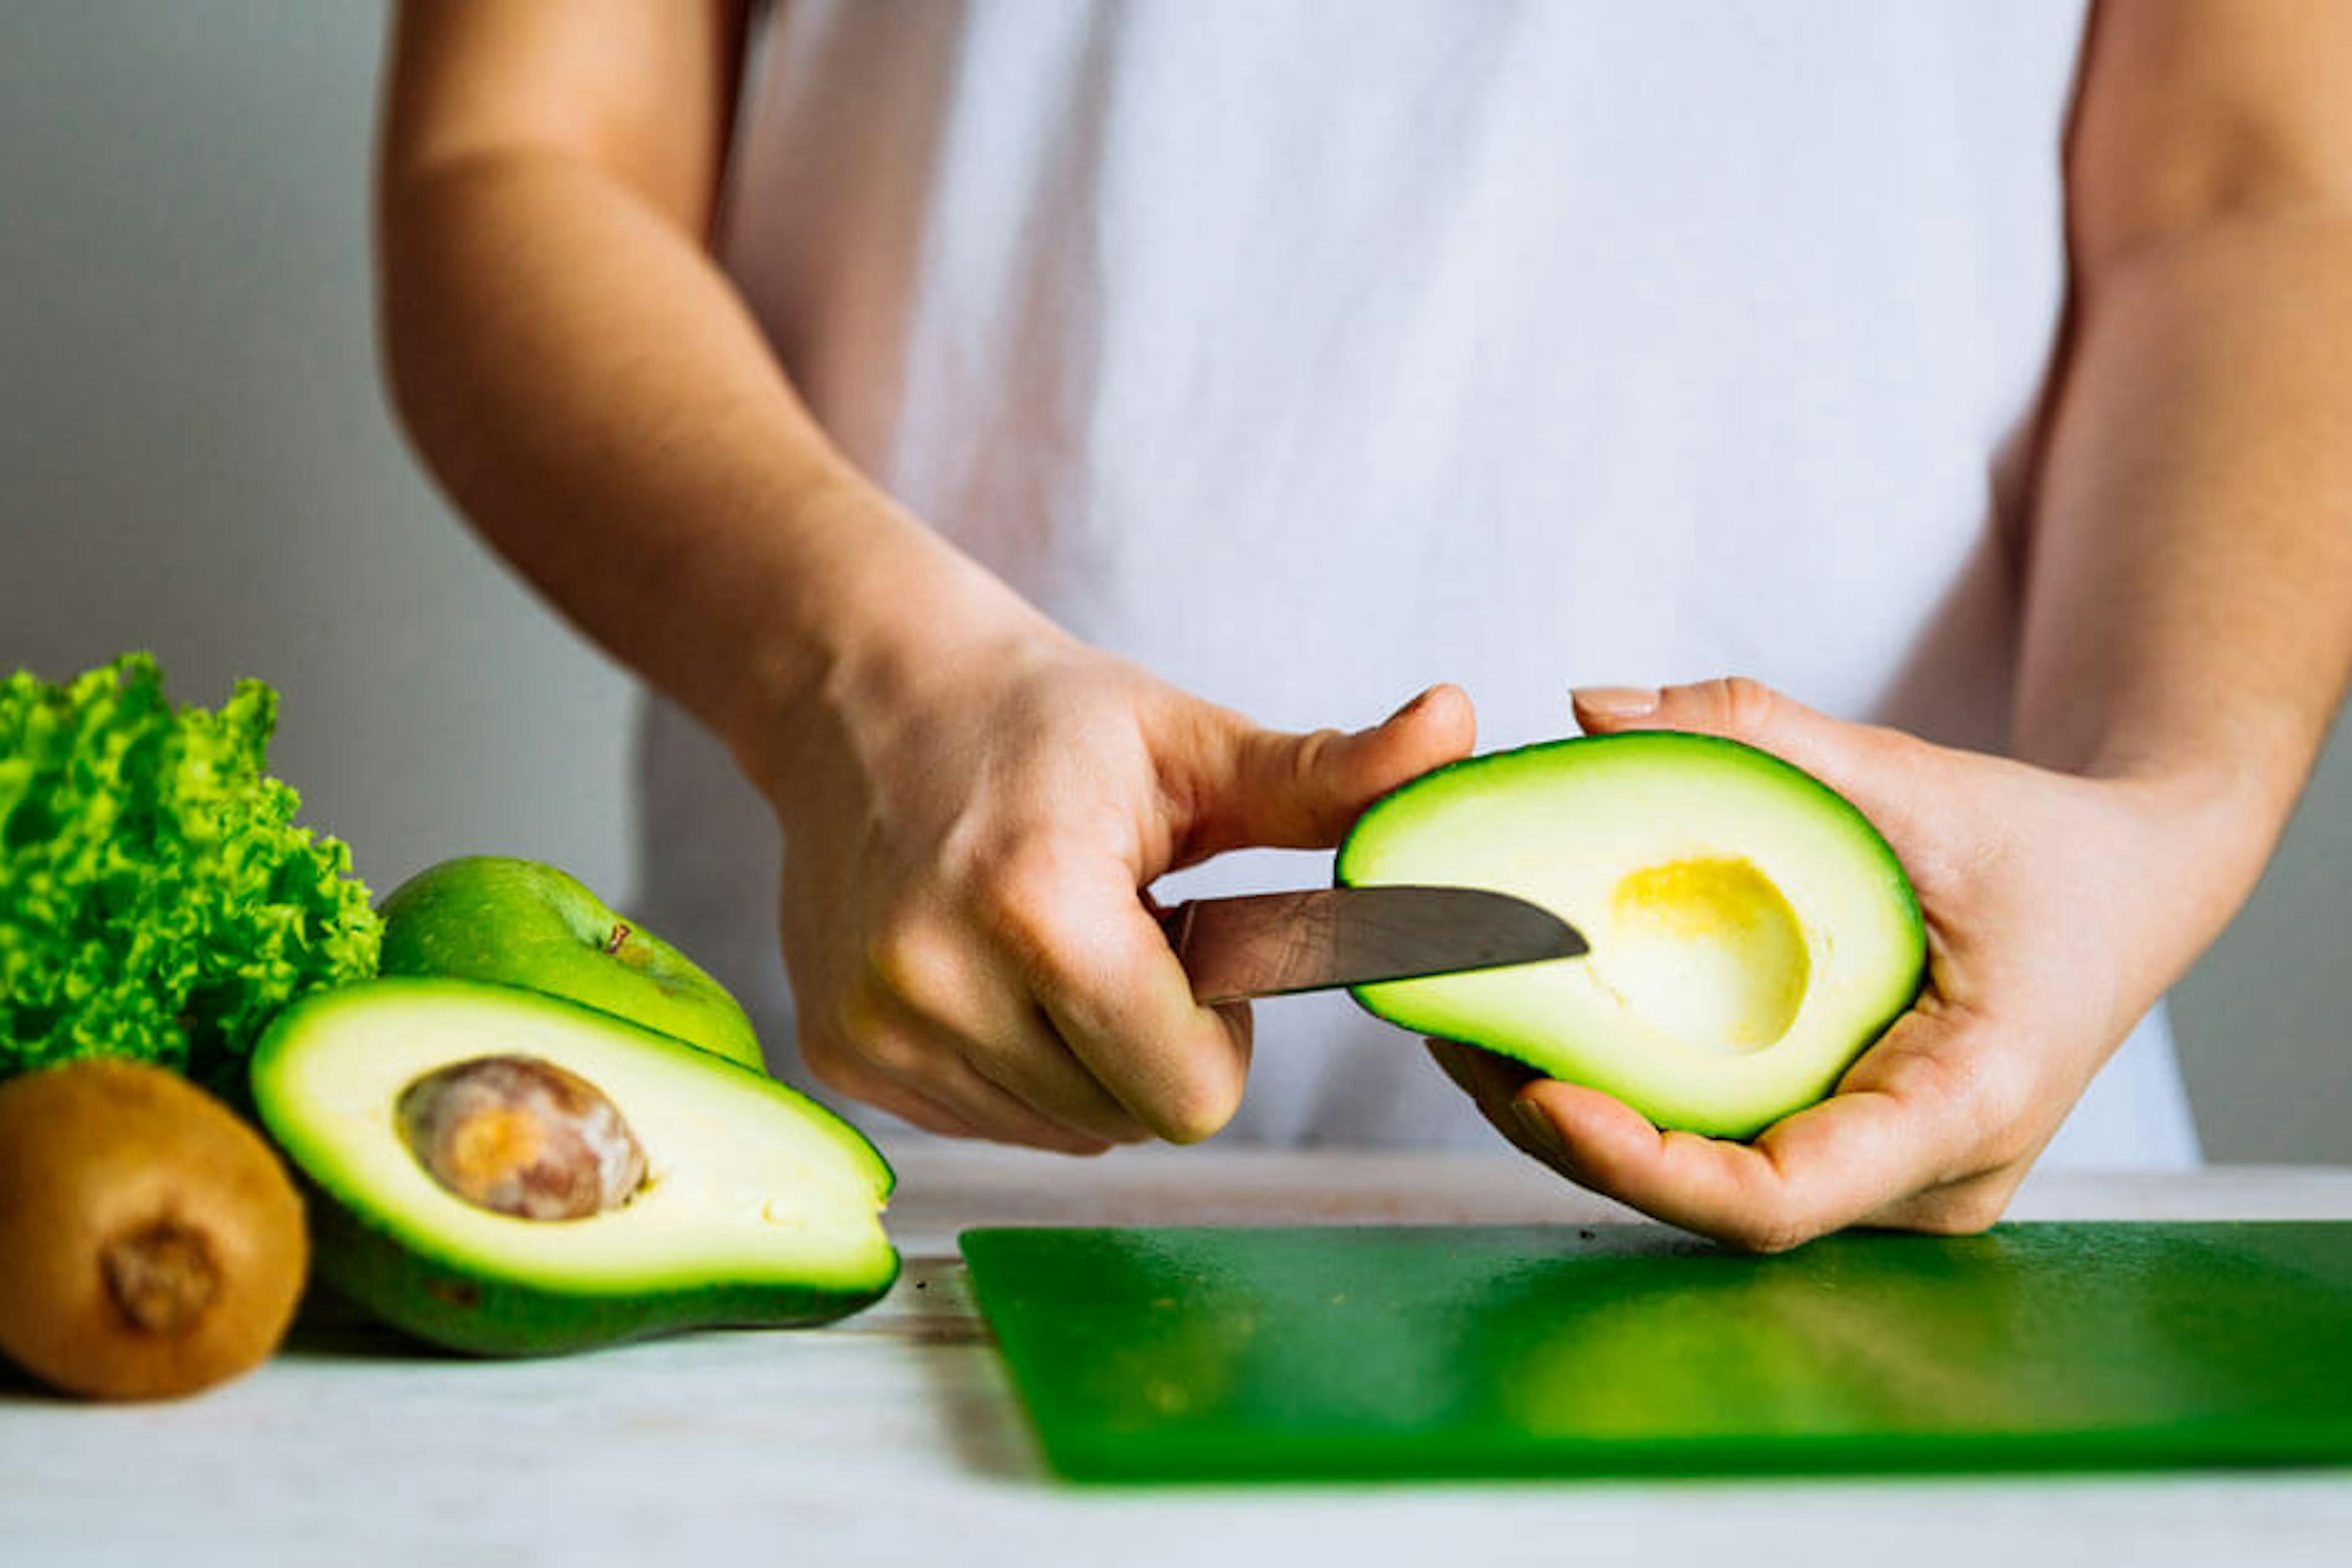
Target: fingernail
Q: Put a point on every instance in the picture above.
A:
(1617, 701)
(1411, 704)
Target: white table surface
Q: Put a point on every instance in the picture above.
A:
(894, 1438)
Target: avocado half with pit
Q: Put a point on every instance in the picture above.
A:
(1752, 932)
(508, 1173)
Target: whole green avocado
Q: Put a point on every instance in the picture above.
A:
(513, 921)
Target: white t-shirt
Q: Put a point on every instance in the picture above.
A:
(1311, 352)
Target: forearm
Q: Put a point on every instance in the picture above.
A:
(596, 399)
(2189, 583)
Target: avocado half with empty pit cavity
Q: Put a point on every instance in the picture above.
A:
(508, 1173)
(1751, 934)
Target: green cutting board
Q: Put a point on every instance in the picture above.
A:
(1271, 1354)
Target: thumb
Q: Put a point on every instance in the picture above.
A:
(1289, 791)
(1858, 761)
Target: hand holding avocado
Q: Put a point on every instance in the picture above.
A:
(2047, 938)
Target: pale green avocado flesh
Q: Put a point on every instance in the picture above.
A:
(759, 1205)
(1751, 934)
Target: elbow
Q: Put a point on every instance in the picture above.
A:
(406, 353)
(404, 324)
(424, 246)
(2128, 205)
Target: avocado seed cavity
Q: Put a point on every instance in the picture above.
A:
(521, 1136)
(1708, 952)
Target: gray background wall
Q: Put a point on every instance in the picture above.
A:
(194, 457)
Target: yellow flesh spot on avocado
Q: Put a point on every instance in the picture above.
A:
(1707, 952)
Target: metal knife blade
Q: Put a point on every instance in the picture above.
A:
(1266, 944)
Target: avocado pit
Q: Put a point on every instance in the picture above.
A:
(521, 1136)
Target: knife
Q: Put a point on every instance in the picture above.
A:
(1267, 944)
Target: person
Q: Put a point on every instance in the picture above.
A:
(965, 413)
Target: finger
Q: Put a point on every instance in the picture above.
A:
(938, 987)
(1245, 785)
(873, 1041)
(1101, 969)
(842, 1071)
(1854, 1155)
(2001, 1109)
(1865, 763)
(1493, 1083)
(1959, 1208)
(1481, 1074)
(952, 1068)
(1030, 1061)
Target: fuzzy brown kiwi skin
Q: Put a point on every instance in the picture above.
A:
(155, 1243)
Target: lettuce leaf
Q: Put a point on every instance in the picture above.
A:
(156, 900)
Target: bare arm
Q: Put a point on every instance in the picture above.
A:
(972, 802)
(2188, 634)
(581, 377)
(2189, 581)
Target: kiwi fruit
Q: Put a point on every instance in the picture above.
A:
(152, 1242)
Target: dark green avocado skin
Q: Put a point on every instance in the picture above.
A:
(465, 1311)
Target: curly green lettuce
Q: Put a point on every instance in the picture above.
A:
(156, 900)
